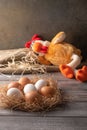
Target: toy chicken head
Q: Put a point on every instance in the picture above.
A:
(40, 47)
(37, 45)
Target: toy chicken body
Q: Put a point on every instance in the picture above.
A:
(64, 55)
(61, 53)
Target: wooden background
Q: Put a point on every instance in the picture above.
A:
(20, 19)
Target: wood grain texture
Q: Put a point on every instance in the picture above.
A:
(71, 115)
(73, 109)
(45, 123)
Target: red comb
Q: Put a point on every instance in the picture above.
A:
(35, 37)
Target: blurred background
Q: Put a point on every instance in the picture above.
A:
(21, 19)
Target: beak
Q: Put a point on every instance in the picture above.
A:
(36, 47)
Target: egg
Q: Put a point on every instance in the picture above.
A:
(14, 92)
(47, 91)
(28, 88)
(40, 83)
(24, 80)
(32, 96)
(15, 85)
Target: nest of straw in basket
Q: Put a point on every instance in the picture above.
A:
(46, 103)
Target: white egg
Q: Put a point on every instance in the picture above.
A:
(14, 92)
(40, 83)
(28, 88)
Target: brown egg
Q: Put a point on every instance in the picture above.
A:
(24, 80)
(32, 96)
(47, 91)
(15, 84)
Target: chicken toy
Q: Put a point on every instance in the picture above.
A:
(59, 53)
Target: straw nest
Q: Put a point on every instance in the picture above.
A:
(44, 104)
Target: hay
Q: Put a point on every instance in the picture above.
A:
(20, 104)
(20, 61)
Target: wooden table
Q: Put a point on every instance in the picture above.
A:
(72, 115)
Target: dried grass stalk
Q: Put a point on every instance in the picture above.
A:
(6, 55)
(21, 61)
(20, 104)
